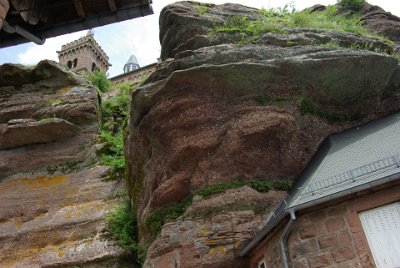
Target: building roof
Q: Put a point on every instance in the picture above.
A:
(346, 162)
(132, 60)
(46, 18)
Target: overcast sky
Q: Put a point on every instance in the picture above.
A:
(140, 36)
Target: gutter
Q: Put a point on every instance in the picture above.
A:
(21, 31)
(81, 24)
(269, 226)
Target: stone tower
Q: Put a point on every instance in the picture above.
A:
(131, 65)
(84, 55)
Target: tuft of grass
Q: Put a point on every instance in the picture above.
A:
(157, 218)
(122, 224)
(276, 20)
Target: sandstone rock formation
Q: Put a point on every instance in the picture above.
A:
(52, 197)
(216, 111)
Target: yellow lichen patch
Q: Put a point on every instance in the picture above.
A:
(204, 230)
(215, 250)
(63, 90)
(36, 182)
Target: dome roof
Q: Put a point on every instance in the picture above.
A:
(132, 60)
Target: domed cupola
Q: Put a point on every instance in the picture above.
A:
(131, 65)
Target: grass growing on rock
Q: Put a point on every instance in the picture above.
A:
(277, 19)
(169, 212)
(260, 185)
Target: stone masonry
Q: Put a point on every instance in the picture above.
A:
(327, 237)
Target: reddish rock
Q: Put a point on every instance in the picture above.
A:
(24, 133)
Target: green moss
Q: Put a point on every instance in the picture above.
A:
(55, 102)
(202, 9)
(308, 107)
(156, 219)
(260, 185)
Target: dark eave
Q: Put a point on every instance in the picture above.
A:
(67, 16)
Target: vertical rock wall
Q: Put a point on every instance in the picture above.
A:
(52, 197)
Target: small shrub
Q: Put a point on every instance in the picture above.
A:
(354, 5)
(282, 185)
(99, 80)
(156, 219)
(262, 186)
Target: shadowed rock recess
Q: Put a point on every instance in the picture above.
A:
(217, 112)
(52, 198)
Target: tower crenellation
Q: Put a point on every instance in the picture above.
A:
(84, 55)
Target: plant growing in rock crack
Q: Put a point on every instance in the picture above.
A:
(157, 218)
(122, 224)
(99, 80)
(114, 112)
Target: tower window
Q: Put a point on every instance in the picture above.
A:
(75, 62)
(94, 67)
(69, 64)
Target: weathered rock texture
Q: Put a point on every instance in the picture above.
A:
(215, 111)
(52, 198)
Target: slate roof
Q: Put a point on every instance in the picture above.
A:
(346, 162)
(357, 156)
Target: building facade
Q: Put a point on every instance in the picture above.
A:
(343, 210)
(84, 55)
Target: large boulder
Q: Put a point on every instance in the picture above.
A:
(216, 112)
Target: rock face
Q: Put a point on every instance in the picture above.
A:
(52, 198)
(215, 112)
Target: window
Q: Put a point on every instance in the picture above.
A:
(75, 62)
(69, 64)
(382, 229)
(261, 264)
(94, 67)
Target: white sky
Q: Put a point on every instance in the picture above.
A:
(140, 36)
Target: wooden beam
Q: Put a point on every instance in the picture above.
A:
(79, 9)
(112, 5)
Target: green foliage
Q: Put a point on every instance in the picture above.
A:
(99, 80)
(202, 9)
(308, 107)
(113, 154)
(115, 111)
(169, 212)
(260, 185)
(354, 5)
(262, 99)
(122, 224)
(276, 20)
